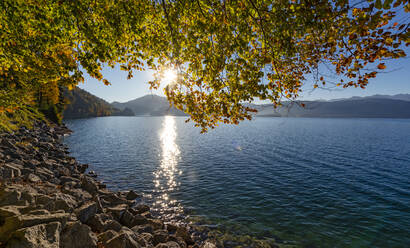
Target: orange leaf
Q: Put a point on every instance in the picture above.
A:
(381, 66)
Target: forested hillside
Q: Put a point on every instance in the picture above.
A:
(81, 104)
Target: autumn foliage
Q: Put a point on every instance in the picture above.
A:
(226, 52)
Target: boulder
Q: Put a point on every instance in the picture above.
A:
(86, 211)
(131, 195)
(127, 219)
(77, 235)
(171, 227)
(145, 239)
(139, 220)
(141, 208)
(89, 185)
(183, 233)
(117, 211)
(113, 225)
(160, 236)
(208, 244)
(79, 194)
(64, 202)
(103, 222)
(147, 215)
(38, 236)
(12, 223)
(39, 212)
(82, 167)
(179, 240)
(143, 229)
(105, 236)
(10, 171)
(10, 197)
(8, 211)
(122, 240)
(43, 199)
(44, 173)
(156, 223)
(97, 200)
(170, 244)
(33, 178)
(66, 179)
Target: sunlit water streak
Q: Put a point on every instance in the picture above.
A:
(164, 177)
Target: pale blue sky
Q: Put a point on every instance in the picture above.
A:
(396, 80)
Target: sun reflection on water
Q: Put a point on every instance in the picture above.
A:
(165, 176)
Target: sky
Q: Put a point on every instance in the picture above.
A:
(395, 80)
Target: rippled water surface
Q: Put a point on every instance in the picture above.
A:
(316, 182)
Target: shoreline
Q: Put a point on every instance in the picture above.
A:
(47, 200)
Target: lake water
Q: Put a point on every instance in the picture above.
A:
(310, 182)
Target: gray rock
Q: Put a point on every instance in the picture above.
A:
(160, 236)
(122, 240)
(145, 239)
(89, 185)
(171, 227)
(64, 202)
(39, 212)
(208, 244)
(146, 215)
(139, 220)
(43, 199)
(127, 219)
(156, 224)
(44, 173)
(113, 200)
(86, 211)
(13, 223)
(179, 240)
(142, 208)
(170, 244)
(38, 236)
(113, 225)
(8, 211)
(143, 229)
(77, 235)
(10, 197)
(10, 171)
(105, 236)
(117, 211)
(79, 194)
(97, 201)
(33, 178)
(101, 223)
(66, 179)
(131, 195)
(183, 233)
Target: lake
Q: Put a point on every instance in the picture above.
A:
(312, 182)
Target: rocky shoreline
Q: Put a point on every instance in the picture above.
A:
(47, 200)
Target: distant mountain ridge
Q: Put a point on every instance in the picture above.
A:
(353, 108)
(85, 105)
(402, 97)
(152, 105)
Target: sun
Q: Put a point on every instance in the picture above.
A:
(170, 76)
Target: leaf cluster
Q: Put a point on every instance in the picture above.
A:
(226, 52)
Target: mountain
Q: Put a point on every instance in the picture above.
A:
(152, 105)
(402, 97)
(81, 104)
(364, 107)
